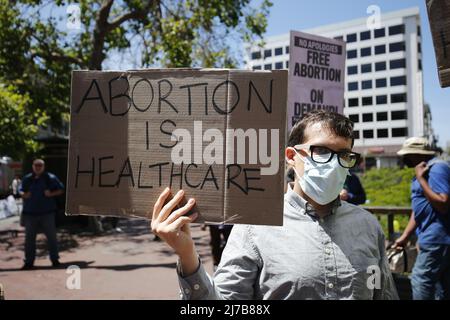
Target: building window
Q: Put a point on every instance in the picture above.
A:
(352, 69)
(399, 132)
(378, 33)
(354, 118)
(339, 38)
(382, 133)
(352, 86)
(419, 64)
(398, 97)
(366, 51)
(397, 46)
(380, 66)
(279, 65)
(382, 116)
(365, 35)
(267, 53)
(256, 55)
(398, 29)
(353, 102)
(352, 54)
(367, 117)
(278, 51)
(367, 101)
(418, 31)
(398, 81)
(381, 99)
(419, 48)
(366, 84)
(256, 67)
(351, 37)
(380, 49)
(399, 115)
(368, 134)
(287, 64)
(397, 64)
(268, 66)
(366, 68)
(355, 134)
(381, 83)
(286, 49)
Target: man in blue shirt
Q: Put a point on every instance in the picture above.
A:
(38, 190)
(353, 191)
(430, 219)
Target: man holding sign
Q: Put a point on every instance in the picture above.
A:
(326, 248)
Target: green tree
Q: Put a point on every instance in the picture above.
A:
(15, 117)
(388, 186)
(38, 51)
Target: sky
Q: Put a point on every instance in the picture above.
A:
(288, 15)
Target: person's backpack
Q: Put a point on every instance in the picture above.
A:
(401, 260)
(401, 263)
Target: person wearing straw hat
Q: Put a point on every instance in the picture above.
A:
(430, 219)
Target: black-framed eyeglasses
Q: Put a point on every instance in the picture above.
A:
(321, 154)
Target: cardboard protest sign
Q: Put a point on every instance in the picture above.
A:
(316, 75)
(217, 134)
(438, 14)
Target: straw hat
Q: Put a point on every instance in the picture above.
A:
(416, 145)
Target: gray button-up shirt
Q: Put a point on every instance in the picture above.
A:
(341, 256)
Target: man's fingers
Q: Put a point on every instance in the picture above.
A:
(423, 164)
(182, 221)
(159, 203)
(180, 212)
(186, 229)
(168, 208)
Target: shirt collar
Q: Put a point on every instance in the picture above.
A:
(295, 200)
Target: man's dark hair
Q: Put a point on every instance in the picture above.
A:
(335, 122)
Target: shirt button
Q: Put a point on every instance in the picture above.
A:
(196, 286)
(187, 291)
(330, 285)
(327, 251)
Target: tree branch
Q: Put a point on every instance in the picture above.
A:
(98, 37)
(66, 58)
(47, 53)
(138, 14)
(102, 27)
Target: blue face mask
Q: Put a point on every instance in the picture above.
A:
(322, 182)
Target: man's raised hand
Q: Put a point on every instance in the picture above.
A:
(170, 224)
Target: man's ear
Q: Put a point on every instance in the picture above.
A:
(290, 154)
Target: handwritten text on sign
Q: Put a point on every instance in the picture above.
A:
(316, 75)
(215, 134)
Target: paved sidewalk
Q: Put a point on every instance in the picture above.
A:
(127, 265)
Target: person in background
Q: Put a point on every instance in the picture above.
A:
(219, 237)
(15, 184)
(430, 219)
(38, 190)
(353, 192)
